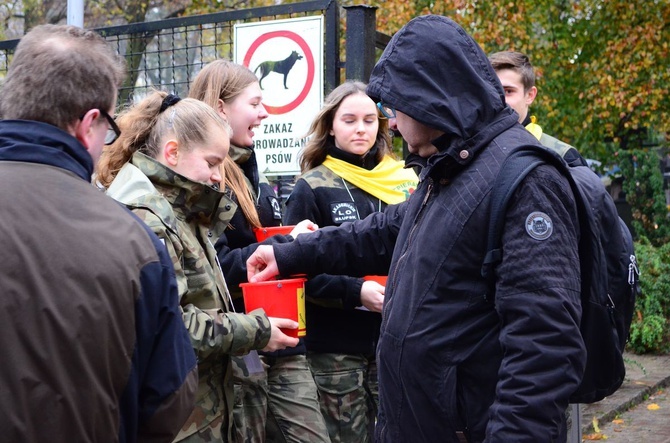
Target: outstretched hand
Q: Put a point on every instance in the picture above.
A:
(304, 227)
(262, 264)
(372, 296)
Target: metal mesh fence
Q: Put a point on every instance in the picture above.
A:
(169, 58)
(167, 54)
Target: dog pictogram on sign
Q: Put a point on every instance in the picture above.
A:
(287, 57)
(279, 66)
(265, 68)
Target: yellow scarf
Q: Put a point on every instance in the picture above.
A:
(534, 128)
(388, 181)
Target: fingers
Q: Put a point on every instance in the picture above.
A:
(289, 342)
(281, 342)
(278, 339)
(284, 323)
(261, 265)
(304, 227)
(310, 225)
(254, 266)
(258, 276)
(372, 296)
(375, 286)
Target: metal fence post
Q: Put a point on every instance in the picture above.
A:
(574, 424)
(360, 42)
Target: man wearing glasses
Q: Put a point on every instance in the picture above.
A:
(94, 347)
(455, 355)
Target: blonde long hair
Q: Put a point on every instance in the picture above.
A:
(143, 127)
(319, 131)
(225, 80)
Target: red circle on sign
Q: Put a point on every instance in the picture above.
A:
(310, 67)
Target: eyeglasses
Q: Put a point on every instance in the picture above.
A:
(387, 111)
(113, 131)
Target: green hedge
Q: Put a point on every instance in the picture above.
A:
(650, 330)
(643, 185)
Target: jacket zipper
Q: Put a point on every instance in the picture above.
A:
(412, 233)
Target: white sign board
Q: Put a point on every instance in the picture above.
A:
(287, 58)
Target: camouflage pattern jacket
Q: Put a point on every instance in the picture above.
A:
(238, 242)
(186, 215)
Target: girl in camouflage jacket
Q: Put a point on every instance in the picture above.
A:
(275, 395)
(166, 168)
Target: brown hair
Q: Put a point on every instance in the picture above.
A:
(517, 62)
(225, 80)
(143, 127)
(236, 182)
(319, 131)
(58, 73)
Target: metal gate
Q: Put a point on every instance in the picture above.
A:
(167, 54)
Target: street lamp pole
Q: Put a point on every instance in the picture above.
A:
(75, 13)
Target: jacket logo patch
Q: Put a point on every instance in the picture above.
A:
(539, 226)
(276, 208)
(343, 212)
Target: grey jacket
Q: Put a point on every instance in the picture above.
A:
(93, 345)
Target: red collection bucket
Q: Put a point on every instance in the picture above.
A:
(381, 279)
(264, 233)
(279, 298)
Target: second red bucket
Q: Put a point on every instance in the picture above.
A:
(279, 298)
(381, 279)
(263, 233)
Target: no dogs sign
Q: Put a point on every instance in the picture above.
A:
(287, 58)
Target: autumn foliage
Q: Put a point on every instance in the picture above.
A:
(603, 66)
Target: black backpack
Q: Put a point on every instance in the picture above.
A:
(608, 264)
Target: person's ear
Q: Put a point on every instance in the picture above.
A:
(221, 108)
(530, 95)
(83, 130)
(171, 152)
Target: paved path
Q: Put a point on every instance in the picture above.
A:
(641, 424)
(647, 381)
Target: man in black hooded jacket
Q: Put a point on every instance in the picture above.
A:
(453, 355)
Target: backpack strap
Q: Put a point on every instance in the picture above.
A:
(513, 170)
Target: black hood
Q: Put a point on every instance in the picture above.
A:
(434, 72)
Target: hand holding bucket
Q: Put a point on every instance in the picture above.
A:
(381, 279)
(372, 296)
(278, 298)
(265, 233)
(303, 227)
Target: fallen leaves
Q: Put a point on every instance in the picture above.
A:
(597, 435)
(591, 437)
(595, 425)
(625, 425)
